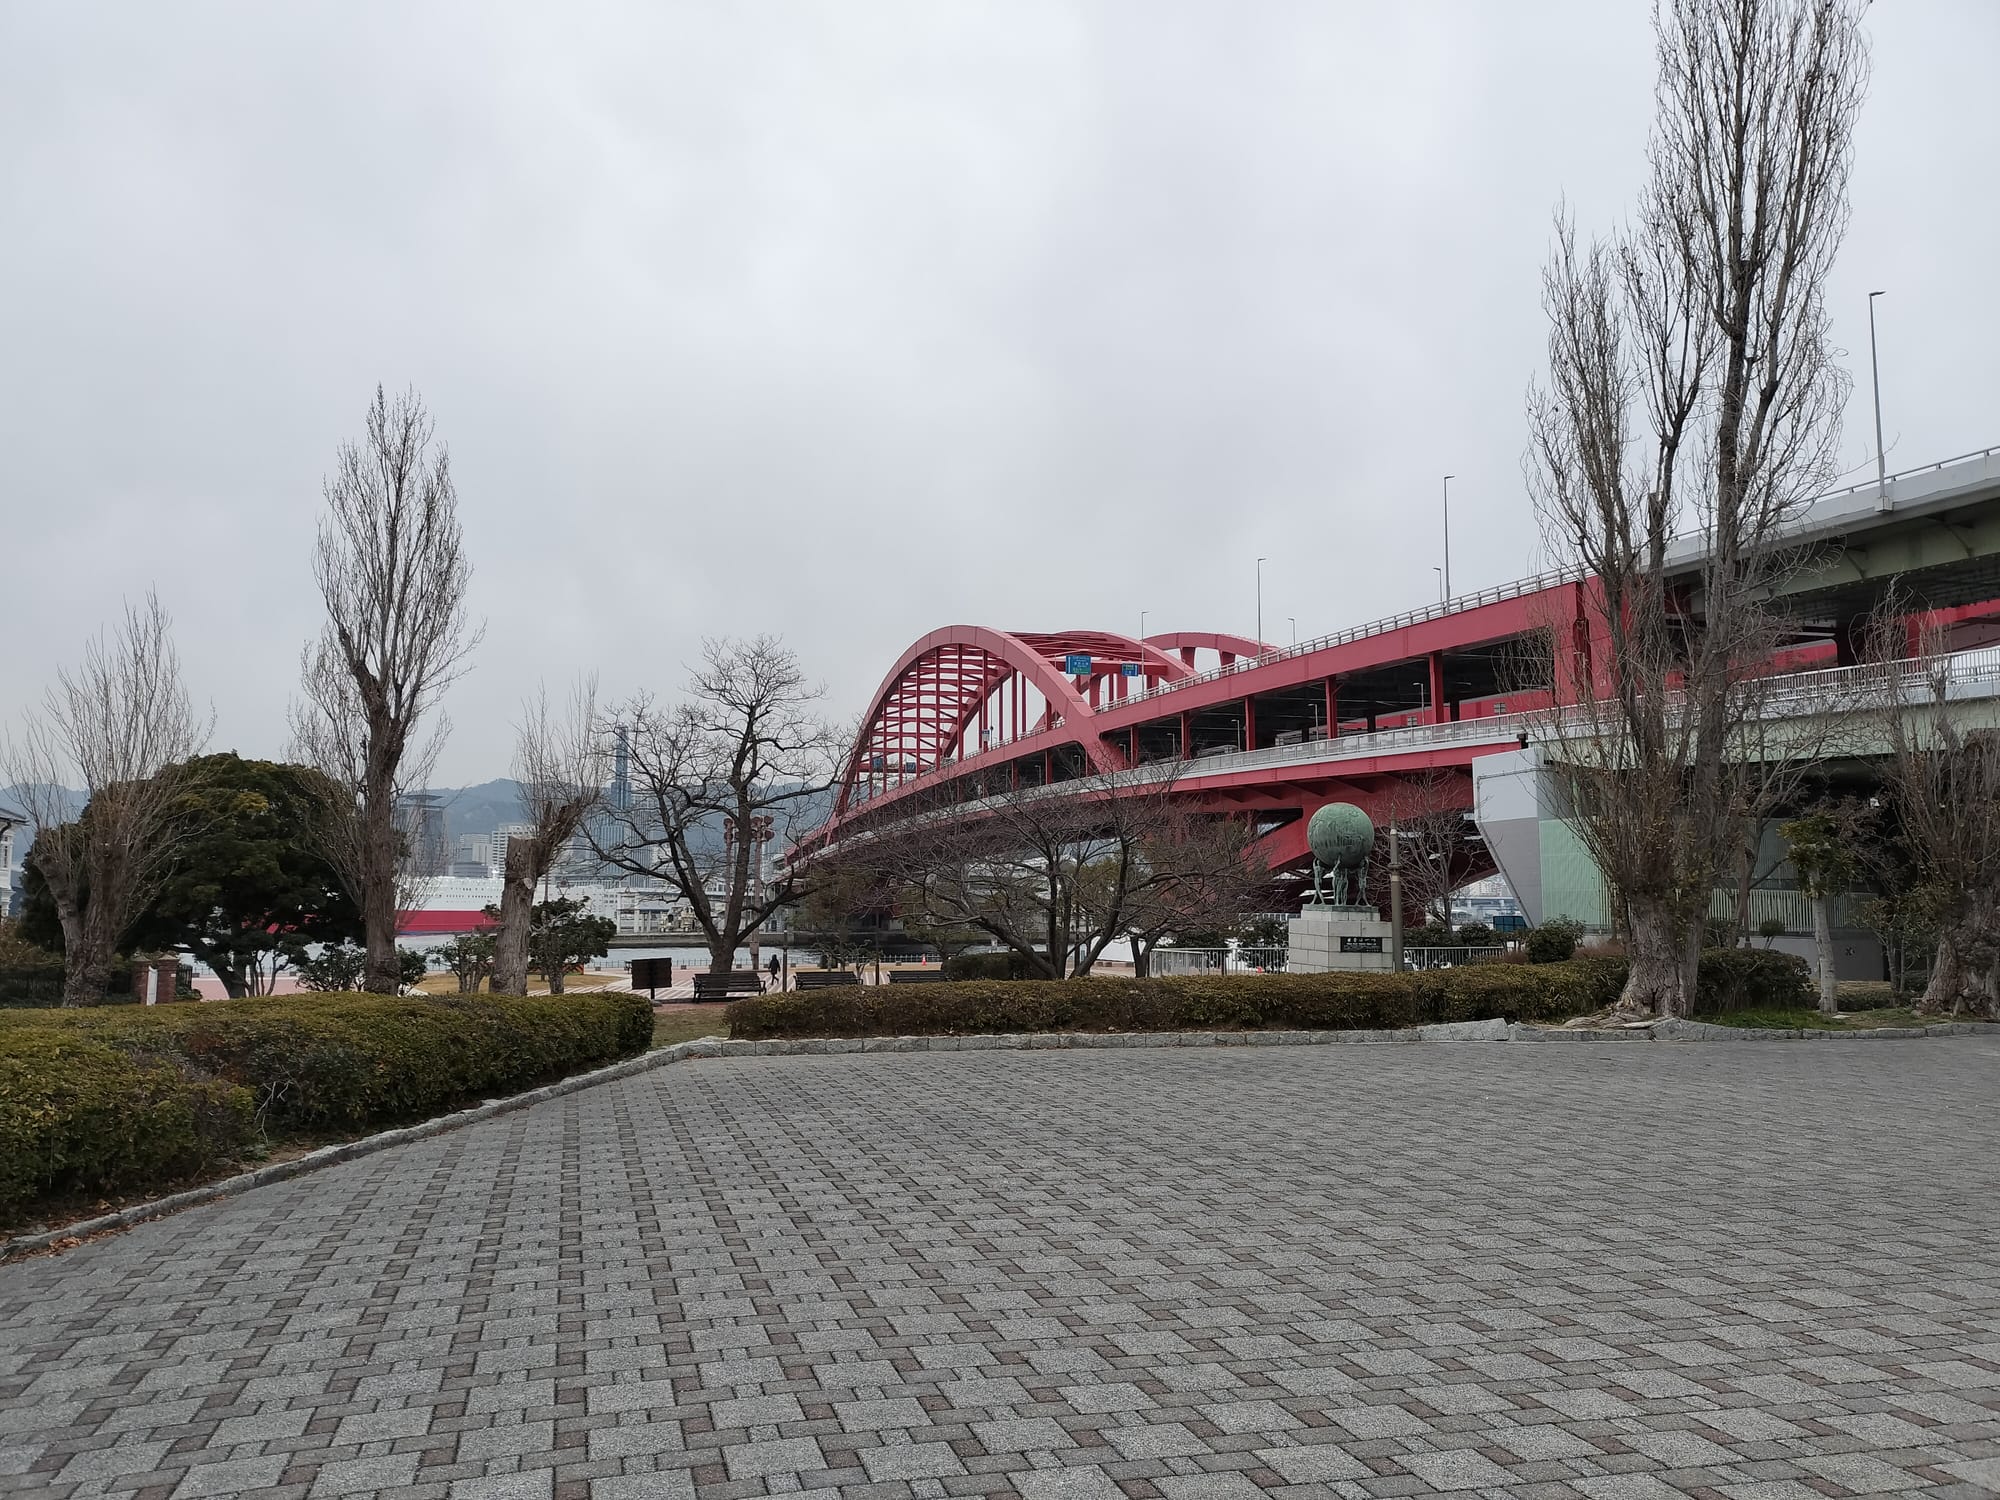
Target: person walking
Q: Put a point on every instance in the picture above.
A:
(773, 967)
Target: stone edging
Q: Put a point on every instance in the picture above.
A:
(1457, 1031)
(327, 1156)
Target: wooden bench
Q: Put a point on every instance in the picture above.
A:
(825, 979)
(916, 976)
(721, 986)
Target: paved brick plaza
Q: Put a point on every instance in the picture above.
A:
(1604, 1270)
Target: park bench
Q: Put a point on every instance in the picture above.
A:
(916, 976)
(722, 986)
(825, 979)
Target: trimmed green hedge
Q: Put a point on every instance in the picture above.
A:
(134, 1098)
(1250, 1002)
(78, 1115)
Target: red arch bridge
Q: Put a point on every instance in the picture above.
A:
(1435, 702)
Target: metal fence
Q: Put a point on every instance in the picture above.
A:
(1167, 962)
(1448, 958)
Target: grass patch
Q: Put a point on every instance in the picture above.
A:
(674, 1026)
(1800, 1018)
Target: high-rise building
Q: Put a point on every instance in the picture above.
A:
(10, 874)
(496, 854)
(470, 863)
(420, 816)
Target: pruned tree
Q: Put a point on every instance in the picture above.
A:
(560, 763)
(116, 727)
(1942, 785)
(1691, 383)
(392, 570)
(1825, 849)
(1056, 876)
(741, 765)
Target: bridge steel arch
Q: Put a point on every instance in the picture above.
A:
(961, 680)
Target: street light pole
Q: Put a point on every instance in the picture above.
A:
(1447, 536)
(1295, 628)
(1142, 623)
(1395, 900)
(1260, 604)
(1875, 371)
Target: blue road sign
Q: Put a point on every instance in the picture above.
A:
(1133, 669)
(1077, 665)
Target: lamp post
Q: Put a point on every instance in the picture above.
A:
(1446, 570)
(1260, 604)
(1295, 628)
(1395, 900)
(1142, 623)
(1875, 373)
(1441, 589)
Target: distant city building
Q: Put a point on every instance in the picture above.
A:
(496, 844)
(471, 863)
(421, 818)
(10, 872)
(1489, 901)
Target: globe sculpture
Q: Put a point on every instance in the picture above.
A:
(1340, 836)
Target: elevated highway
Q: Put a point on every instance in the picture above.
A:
(970, 712)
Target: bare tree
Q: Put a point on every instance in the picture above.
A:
(560, 762)
(1942, 777)
(1433, 822)
(741, 765)
(1691, 380)
(392, 570)
(119, 726)
(1058, 875)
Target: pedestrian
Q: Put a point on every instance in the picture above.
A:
(773, 967)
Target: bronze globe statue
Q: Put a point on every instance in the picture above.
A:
(1341, 837)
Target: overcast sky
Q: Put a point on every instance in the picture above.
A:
(847, 321)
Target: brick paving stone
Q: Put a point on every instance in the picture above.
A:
(1104, 1274)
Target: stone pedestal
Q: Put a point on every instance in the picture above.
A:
(1325, 939)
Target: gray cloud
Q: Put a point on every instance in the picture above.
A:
(849, 321)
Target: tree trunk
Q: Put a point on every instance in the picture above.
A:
(517, 903)
(1657, 981)
(721, 958)
(86, 975)
(383, 972)
(1947, 978)
(1829, 990)
(555, 978)
(233, 983)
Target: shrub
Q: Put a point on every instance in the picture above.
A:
(1554, 941)
(1307, 1002)
(305, 1064)
(1475, 935)
(80, 1116)
(1764, 978)
(985, 966)
(337, 968)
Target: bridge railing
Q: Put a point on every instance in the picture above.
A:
(1967, 674)
(1500, 593)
